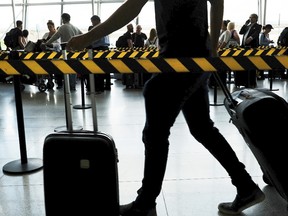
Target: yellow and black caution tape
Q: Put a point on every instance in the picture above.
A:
(143, 65)
(260, 51)
(142, 53)
(109, 54)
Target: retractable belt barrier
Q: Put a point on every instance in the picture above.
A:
(109, 54)
(142, 53)
(260, 51)
(139, 61)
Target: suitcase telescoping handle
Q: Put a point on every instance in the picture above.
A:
(68, 102)
(93, 95)
(224, 88)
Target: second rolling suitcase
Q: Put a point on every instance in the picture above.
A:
(261, 117)
(80, 174)
(80, 171)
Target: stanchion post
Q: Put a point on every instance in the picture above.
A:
(24, 165)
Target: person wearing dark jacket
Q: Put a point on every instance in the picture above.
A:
(138, 37)
(250, 31)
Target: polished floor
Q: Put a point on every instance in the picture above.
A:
(194, 182)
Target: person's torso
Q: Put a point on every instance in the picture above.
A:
(103, 42)
(264, 39)
(182, 27)
(138, 39)
(68, 31)
(225, 36)
(255, 32)
(126, 36)
(18, 33)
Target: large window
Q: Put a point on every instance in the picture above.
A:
(38, 26)
(36, 13)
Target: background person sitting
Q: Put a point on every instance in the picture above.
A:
(152, 41)
(264, 39)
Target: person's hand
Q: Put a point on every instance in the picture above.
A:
(43, 46)
(248, 40)
(76, 43)
(247, 22)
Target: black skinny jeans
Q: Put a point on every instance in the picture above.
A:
(165, 96)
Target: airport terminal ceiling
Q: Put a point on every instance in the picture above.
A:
(36, 13)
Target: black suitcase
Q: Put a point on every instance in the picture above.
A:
(80, 170)
(261, 117)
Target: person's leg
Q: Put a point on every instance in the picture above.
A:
(164, 95)
(72, 81)
(86, 78)
(107, 81)
(59, 80)
(196, 113)
(99, 82)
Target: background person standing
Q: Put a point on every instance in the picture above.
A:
(250, 31)
(65, 32)
(101, 45)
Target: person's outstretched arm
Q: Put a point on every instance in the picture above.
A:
(216, 17)
(121, 17)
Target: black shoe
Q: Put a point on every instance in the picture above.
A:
(242, 203)
(59, 87)
(131, 210)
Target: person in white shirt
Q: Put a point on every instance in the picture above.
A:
(65, 33)
(235, 38)
(152, 41)
(225, 35)
(52, 30)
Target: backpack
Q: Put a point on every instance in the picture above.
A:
(121, 42)
(283, 38)
(10, 38)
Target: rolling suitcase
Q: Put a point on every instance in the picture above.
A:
(261, 117)
(80, 171)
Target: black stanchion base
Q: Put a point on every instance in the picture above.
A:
(64, 128)
(17, 167)
(85, 106)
